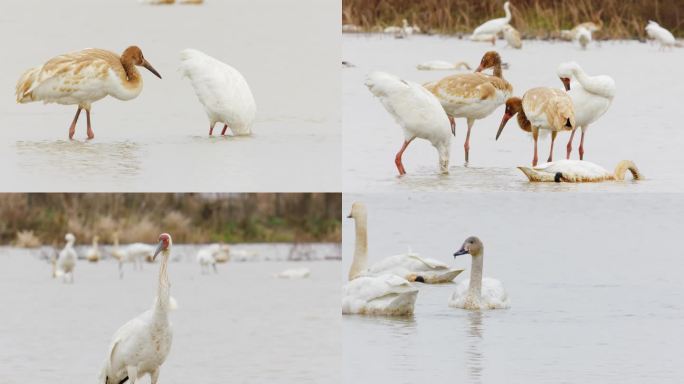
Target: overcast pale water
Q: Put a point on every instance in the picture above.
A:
(159, 141)
(643, 124)
(595, 286)
(241, 323)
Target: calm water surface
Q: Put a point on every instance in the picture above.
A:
(595, 287)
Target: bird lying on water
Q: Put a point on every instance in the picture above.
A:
(579, 171)
(84, 77)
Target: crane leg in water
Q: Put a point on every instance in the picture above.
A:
(223, 132)
(466, 146)
(211, 129)
(397, 159)
(553, 140)
(72, 129)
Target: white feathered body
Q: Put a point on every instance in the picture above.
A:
(66, 262)
(379, 295)
(411, 265)
(415, 109)
(143, 342)
(294, 273)
(493, 296)
(222, 90)
(591, 95)
(441, 65)
(662, 35)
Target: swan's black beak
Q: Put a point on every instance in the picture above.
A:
(349, 216)
(460, 252)
(558, 177)
(566, 83)
(158, 250)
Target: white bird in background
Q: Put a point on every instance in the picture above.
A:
(206, 257)
(591, 97)
(409, 266)
(93, 255)
(541, 108)
(84, 77)
(385, 294)
(141, 345)
(294, 273)
(66, 262)
(583, 37)
(662, 35)
(134, 254)
(417, 111)
(579, 171)
(512, 37)
(222, 90)
(441, 65)
(488, 30)
(472, 95)
(478, 292)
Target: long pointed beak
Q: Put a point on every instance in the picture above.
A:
(505, 119)
(158, 250)
(460, 252)
(150, 68)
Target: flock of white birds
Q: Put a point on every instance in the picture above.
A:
(428, 111)
(388, 287)
(141, 345)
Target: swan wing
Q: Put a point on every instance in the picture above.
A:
(381, 295)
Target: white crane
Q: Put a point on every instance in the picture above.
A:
(141, 345)
(660, 34)
(222, 90)
(66, 262)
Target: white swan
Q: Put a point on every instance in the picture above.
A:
(478, 292)
(66, 262)
(577, 171)
(206, 257)
(441, 65)
(489, 29)
(409, 266)
(583, 37)
(591, 97)
(294, 273)
(141, 345)
(93, 255)
(417, 111)
(662, 35)
(222, 90)
(512, 36)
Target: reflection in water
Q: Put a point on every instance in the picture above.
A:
(80, 158)
(474, 356)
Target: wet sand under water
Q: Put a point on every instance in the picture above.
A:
(240, 325)
(159, 140)
(641, 125)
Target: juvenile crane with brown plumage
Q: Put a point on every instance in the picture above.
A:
(84, 77)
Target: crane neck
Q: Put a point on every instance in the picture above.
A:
(163, 302)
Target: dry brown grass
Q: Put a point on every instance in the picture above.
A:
(534, 18)
(190, 218)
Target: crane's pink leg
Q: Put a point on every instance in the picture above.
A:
(581, 148)
(569, 147)
(466, 146)
(223, 132)
(91, 135)
(72, 129)
(453, 125)
(211, 129)
(535, 136)
(553, 140)
(397, 159)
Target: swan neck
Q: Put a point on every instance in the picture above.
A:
(507, 9)
(162, 303)
(475, 287)
(361, 247)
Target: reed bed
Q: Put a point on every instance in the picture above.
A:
(541, 19)
(30, 220)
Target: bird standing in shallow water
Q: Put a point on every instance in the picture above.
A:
(84, 77)
(141, 345)
(222, 90)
